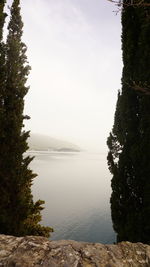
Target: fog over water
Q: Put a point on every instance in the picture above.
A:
(76, 189)
(74, 49)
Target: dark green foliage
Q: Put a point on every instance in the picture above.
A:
(129, 141)
(2, 60)
(19, 215)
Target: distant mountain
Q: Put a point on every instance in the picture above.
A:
(43, 142)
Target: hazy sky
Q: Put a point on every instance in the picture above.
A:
(74, 49)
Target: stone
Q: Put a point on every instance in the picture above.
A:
(40, 252)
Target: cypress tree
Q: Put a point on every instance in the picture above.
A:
(2, 60)
(19, 215)
(129, 141)
(2, 91)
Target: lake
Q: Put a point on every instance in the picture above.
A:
(76, 189)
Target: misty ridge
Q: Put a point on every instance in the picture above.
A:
(39, 142)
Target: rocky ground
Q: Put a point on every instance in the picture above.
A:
(38, 251)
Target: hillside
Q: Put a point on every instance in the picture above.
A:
(43, 142)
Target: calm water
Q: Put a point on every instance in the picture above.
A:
(76, 190)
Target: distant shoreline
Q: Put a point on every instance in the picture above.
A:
(37, 142)
(51, 151)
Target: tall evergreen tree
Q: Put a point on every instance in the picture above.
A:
(2, 60)
(2, 92)
(129, 141)
(19, 215)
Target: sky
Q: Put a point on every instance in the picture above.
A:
(74, 50)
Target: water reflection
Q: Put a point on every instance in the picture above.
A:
(76, 189)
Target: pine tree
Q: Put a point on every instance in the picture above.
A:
(19, 215)
(129, 141)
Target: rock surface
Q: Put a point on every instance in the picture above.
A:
(38, 251)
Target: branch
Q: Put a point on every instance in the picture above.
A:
(138, 88)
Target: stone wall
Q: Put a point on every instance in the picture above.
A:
(38, 251)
